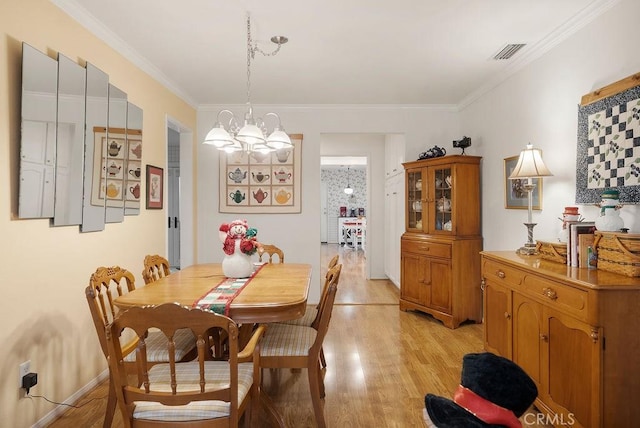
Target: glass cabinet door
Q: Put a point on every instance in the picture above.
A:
(414, 199)
(442, 208)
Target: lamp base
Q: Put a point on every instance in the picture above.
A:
(527, 250)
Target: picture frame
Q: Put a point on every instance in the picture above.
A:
(515, 197)
(262, 183)
(155, 187)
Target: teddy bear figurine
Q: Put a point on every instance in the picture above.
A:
(239, 244)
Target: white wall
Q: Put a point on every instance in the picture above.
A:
(299, 234)
(540, 105)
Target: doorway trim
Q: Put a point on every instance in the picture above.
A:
(187, 193)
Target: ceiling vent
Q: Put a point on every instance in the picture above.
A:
(508, 51)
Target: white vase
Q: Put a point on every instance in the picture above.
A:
(238, 264)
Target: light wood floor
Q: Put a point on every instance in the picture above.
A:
(381, 361)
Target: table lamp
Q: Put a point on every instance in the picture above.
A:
(529, 166)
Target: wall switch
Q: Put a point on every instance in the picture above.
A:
(24, 370)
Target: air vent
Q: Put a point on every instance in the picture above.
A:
(509, 51)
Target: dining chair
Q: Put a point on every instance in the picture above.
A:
(310, 317)
(298, 347)
(271, 251)
(203, 392)
(155, 267)
(105, 284)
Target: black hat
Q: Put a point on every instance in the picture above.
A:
(493, 391)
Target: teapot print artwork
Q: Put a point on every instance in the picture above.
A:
(113, 191)
(282, 176)
(135, 191)
(237, 196)
(237, 176)
(114, 148)
(282, 197)
(260, 195)
(260, 177)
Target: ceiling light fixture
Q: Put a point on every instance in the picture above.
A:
(253, 136)
(348, 190)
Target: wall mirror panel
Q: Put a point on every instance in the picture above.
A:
(133, 183)
(115, 155)
(38, 134)
(69, 143)
(97, 108)
(81, 145)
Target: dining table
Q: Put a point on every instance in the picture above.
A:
(275, 292)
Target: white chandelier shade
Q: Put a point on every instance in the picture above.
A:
(253, 136)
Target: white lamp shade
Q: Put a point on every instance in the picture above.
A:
(348, 190)
(279, 140)
(530, 164)
(250, 134)
(218, 137)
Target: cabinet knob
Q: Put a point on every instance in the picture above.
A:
(594, 336)
(544, 337)
(507, 315)
(500, 274)
(550, 293)
(483, 284)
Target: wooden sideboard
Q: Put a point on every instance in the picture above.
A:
(575, 331)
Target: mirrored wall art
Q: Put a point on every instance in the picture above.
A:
(81, 145)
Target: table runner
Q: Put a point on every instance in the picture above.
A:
(219, 298)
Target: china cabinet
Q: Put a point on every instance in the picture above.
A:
(440, 249)
(573, 330)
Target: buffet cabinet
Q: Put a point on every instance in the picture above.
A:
(575, 331)
(440, 249)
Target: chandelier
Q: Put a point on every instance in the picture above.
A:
(253, 136)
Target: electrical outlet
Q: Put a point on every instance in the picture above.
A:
(24, 370)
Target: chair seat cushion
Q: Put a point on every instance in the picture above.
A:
(285, 340)
(306, 320)
(157, 346)
(187, 378)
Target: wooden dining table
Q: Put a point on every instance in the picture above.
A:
(277, 292)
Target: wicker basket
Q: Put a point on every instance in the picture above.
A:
(554, 251)
(618, 252)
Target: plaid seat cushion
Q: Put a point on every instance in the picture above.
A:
(187, 377)
(307, 318)
(282, 340)
(157, 346)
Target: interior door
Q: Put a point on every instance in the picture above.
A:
(173, 222)
(324, 213)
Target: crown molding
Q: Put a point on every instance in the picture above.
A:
(563, 32)
(84, 18)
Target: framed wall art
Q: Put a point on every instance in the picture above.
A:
(155, 180)
(262, 183)
(515, 197)
(608, 150)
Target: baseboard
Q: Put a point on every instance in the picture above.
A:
(60, 409)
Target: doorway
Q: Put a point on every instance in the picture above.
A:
(179, 195)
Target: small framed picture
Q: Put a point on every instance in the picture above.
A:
(155, 180)
(515, 196)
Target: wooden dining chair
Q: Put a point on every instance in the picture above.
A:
(311, 314)
(197, 393)
(298, 347)
(271, 251)
(105, 284)
(155, 267)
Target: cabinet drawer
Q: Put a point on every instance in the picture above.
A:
(557, 295)
(427, 248)
(500, 273)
